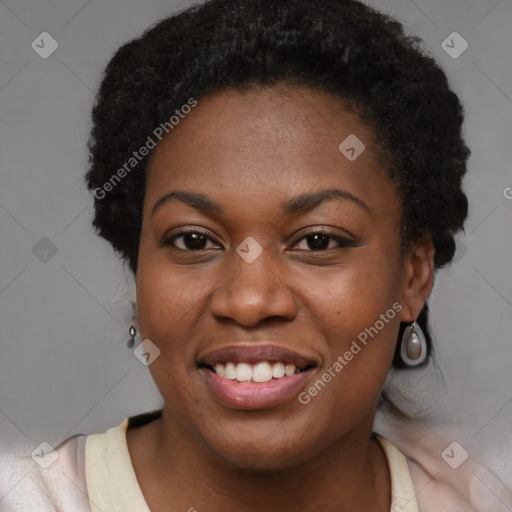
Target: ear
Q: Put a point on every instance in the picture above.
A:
(417, 279)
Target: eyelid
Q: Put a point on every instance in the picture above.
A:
(343, 241)
(168, 239)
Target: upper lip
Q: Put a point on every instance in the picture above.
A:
(254, 354)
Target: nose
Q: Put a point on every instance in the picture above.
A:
(252, 292)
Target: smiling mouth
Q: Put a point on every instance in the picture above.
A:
(263, 371)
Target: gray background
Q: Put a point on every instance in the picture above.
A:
(64, 364)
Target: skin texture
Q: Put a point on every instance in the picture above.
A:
(249, 152)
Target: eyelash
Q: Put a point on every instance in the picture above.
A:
(344, 242)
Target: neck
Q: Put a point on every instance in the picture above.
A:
(174, 467)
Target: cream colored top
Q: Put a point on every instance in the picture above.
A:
(444, 476)
(112, 484)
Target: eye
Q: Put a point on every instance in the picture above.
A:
(192, 240)
(320, 241)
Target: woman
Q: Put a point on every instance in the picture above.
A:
(284, 180)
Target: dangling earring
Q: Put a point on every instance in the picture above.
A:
(133, 332)
(414, 345)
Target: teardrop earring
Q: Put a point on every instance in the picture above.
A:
(132, 329)
(133, 332)
(414, 345)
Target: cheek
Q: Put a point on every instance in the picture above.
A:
(351, 297)
(164, 308)
(169, 297)
(168, 316)
(357, 310)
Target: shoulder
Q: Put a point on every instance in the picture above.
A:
(55, 479)
(445, 471)
(111, 479)
(47, 480)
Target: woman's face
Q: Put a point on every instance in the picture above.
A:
(254, 282)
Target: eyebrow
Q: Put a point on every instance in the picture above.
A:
(299, 204)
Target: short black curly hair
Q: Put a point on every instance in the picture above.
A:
(343, 47)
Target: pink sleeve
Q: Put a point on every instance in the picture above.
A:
(446, 471)
(26, 485)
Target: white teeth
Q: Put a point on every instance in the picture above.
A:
(262, 372)
(219, 369)
(290, 370)
(243, 372)
(259, 372)
(278, 370)
(229, 371)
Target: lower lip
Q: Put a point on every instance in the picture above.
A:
(249, 395)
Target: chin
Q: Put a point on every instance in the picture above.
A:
(268, 452)
(254, 461)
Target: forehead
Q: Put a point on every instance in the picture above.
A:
(274, 141)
